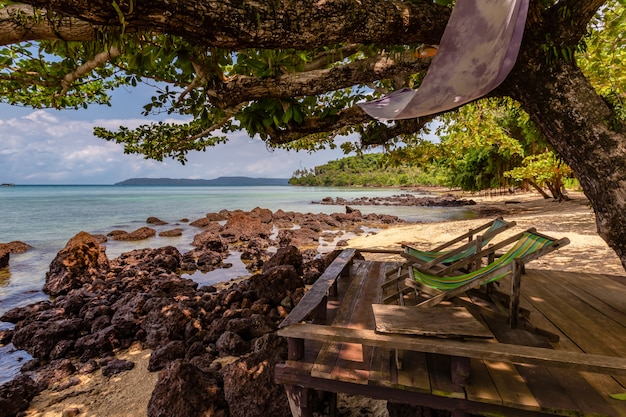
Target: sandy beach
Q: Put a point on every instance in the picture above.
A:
(128, 394)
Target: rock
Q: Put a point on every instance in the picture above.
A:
(156, 221)
(54, 373)
(16, 395)
(231, 344)
(275, 283)
(202, 222)
(80, 262)
(116, 366)
(243, 227)
(249, 386)
(15, 247)
(288, 255)
(262, 214)
(184, 390)
(163, 355)
(139, 234)
(172, 232)
(216, 217)
(4, 258)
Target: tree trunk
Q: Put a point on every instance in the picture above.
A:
(539, 189)
(577, 122)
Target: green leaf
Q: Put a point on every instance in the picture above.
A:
(621, 396)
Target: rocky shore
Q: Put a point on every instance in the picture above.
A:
(214, 350)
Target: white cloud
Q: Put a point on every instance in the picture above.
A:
(48, 147)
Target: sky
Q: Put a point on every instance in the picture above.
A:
(58, 147)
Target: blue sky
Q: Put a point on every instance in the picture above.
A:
(58, 147)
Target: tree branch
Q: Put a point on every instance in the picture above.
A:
(243, 88)
(305, 24)
(21, 22)
(87, 67)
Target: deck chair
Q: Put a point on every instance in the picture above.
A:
(443, 256)
(529, 245)
(446, 254)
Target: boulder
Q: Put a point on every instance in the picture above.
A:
(4, 258)
(249, 386)
(172, 232)
(184, 390)
(15, 247)
(16, 395)
(288, 255)
(80, 262)
(243, 227)
(139, 234)
(156, 221)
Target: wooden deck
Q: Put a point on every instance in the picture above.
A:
(516, 373)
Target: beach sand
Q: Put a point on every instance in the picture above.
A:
(128, 394)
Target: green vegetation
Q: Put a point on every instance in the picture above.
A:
(488, 144)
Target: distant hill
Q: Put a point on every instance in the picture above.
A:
(217, 182)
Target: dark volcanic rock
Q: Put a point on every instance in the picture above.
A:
(16, 395)
(139, 234)
(172, 232)
(249, 386)
(116, 366)
(4, 258)
(288, 255)
(243, 227)
(166, 354)
(80, 262)
(15, 247)
(184, 390)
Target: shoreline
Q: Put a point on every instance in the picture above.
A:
(573, 219)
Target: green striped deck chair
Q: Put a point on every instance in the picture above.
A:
(529, 246)
(448, 256)
(442, 256)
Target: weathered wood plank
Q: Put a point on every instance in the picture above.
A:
(320, 289)
(442, 321)
(480, 387)
(511, 386)
(440, 381)
(471, 349)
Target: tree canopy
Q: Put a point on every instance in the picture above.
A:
(291, 73)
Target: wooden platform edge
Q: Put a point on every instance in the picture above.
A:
(320, 288)
(471, 349)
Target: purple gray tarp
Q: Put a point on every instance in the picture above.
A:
(477, 51)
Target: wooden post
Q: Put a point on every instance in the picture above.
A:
(295, 348)
(299, 401)
(318, 315)
(516, 280)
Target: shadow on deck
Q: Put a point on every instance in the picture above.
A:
(334, 348)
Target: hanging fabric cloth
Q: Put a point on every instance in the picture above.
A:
(477, 51)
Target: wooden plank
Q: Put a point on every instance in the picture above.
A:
(581, 323)
(414, 375)
(330, 353)
(511, 386)
(471, 349)
(441, 384)
(320, 288)
(480, 386)
(440, 321)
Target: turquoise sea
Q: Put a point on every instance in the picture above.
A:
(46, 217)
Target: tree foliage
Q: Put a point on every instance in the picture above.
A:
(291, 73)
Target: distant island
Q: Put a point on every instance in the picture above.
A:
(217, 182)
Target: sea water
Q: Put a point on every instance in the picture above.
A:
(46, 217)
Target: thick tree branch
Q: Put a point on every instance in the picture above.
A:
(87, 67)
(21, 22)
(378, 134)
(269, 23)
(316, 82)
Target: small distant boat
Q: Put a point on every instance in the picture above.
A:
(7, 184)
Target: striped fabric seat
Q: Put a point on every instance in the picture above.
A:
(496, 226)
(527, 244)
